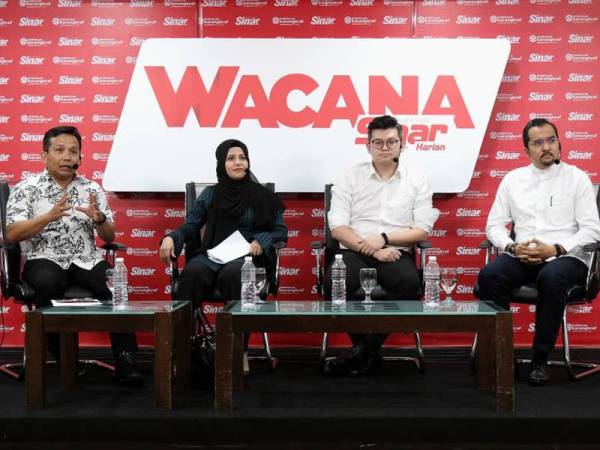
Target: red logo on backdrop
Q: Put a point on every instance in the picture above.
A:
(271, 108)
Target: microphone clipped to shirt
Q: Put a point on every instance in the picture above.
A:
(557, 161)
(395, 159)
(75, 166)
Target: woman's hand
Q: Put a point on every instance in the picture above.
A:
(255, 248)
(167, 250)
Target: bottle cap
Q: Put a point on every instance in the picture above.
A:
(248, 258)
(119, 259)
(338, 256)
(433, 258)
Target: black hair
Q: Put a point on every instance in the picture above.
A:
(384, 123)
(538, 122)
(57, 131)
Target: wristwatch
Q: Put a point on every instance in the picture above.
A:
(386, 240)
(510, 248)
(101, 221)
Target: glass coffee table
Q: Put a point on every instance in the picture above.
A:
(492, 324)
(169, 320)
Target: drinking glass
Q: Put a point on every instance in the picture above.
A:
(448, 280)
(261, 280)
(368, 280)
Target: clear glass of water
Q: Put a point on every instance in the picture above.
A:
(448, 280)
(368, 280)
(261, 280)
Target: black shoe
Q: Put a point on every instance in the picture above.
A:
(351, 363)
(126, 373)
(539, 375)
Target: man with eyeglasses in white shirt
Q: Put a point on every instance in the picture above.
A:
(379, 210)
(553, 208)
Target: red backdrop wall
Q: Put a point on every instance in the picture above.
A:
(70, 62)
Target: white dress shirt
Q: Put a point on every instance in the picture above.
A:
(369, 205)
(65, 241)
(556, 205)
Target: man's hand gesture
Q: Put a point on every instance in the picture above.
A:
(60, 209)
(92, 210)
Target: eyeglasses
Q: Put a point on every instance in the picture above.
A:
(390, 143)
(550, 140)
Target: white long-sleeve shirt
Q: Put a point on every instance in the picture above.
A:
(369, 205)
(556, 205)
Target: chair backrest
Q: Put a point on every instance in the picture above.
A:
(10, 258)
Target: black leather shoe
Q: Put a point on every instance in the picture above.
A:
(539, 375)
(351, 363)
(126, 372)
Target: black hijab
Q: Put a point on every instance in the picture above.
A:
(232, 197)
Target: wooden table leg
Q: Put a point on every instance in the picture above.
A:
(163, 360)
(35, 360)
(485, 358)
(224, 363)
(505, 378)
(238, 362)
(183, 347)
(68, 359)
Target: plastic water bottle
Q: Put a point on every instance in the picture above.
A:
(120, 294)
(248, 294)
(432, 281)
(338, 281)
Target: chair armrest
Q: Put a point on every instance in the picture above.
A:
(114, 247)
(590, 248)
(278, 245)
(111, 251)
(485, 244)
(424, 245)
(490, 250)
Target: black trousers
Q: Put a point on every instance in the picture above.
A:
(197, 281)
(400, 279)
(50, 281)
(552, 280)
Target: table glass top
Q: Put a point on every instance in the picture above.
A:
(133, 307)
(384, 308)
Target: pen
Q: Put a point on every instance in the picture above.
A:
(550, 200)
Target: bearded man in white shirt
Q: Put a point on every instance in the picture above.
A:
(553, 208)
(379, 210)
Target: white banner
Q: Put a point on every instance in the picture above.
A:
(302, 106)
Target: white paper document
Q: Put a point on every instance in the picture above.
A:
(235, 246)
(75, 302)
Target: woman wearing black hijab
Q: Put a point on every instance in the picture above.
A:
(236, 202)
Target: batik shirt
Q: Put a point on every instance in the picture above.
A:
(68, 240)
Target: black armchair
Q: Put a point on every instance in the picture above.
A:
(201, 323)
(578, 294)
(13, 286)
(326, 249)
